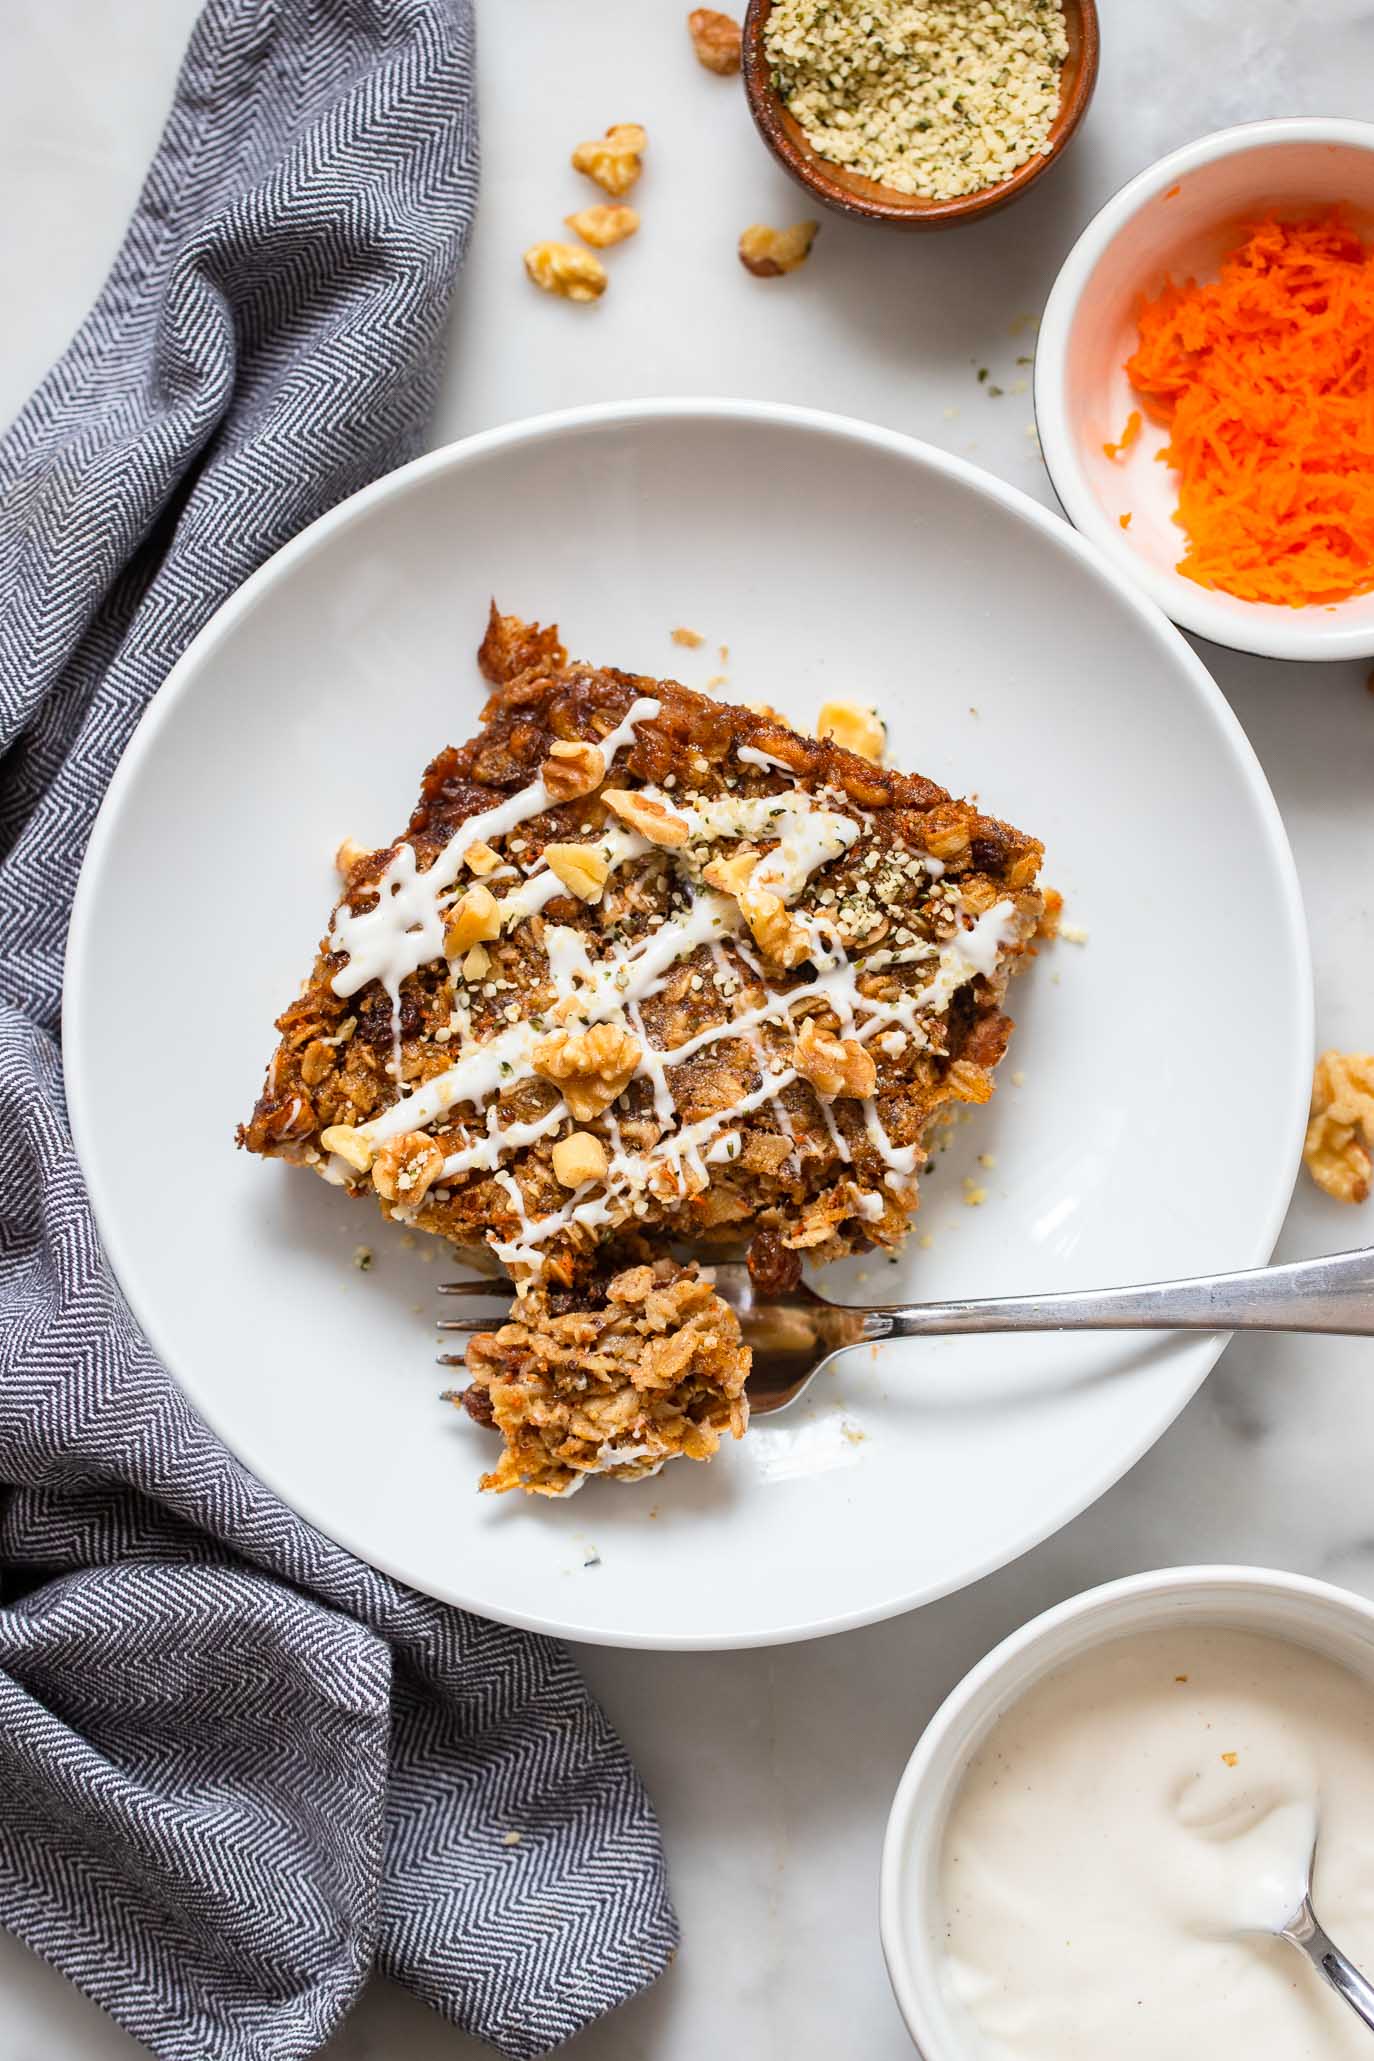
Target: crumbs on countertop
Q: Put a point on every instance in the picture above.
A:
(362, 1258)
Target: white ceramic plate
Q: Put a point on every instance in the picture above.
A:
(1151, 1126)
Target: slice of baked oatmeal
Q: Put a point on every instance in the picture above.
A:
(646, 971)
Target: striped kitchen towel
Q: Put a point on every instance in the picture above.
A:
(238, 1769)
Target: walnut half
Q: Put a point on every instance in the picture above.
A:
(603, 225)
(1340, 1132)
(834, 1066)
(591, 1067)
(566, 269)
(716, 39)
(614, 160)
(767, 253)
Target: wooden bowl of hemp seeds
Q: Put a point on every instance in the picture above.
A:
(918, 113)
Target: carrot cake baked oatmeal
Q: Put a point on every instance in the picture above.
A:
(646, 974)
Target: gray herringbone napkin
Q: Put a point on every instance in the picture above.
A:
(237, 1769)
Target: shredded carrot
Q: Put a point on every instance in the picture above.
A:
(1173, 193)
(1125, 521)
(1127, 436)
(1265, 380)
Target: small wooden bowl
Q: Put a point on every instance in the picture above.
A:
(867, 200)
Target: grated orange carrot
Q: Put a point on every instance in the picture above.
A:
(1127, 436)
(1265, 379)
(1125, 520)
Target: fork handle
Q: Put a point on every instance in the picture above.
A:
(1334, 1294)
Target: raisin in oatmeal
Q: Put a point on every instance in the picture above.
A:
(646, 971)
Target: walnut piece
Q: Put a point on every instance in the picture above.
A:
(691, 639)
(768, 253)
(572, 770)
(582, 868)
(348, 855)
(579, 1158)
(480, 859)
(732, 875)
(834, 1066)
(474, 918)
(476, 963)
(405, 1168)
(567, 270)
(855, 727)
(350, 1144)
(716, 39)
(604, 224)
(778, 936)
(592, 1067)
(1340, 1133)
(614, 160)
(651, 818)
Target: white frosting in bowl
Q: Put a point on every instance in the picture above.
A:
(1128, 1832)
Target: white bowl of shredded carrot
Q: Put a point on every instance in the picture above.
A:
(1204, 386)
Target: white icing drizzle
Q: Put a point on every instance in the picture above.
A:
(406, 927)
(405, 930)
(750, 755)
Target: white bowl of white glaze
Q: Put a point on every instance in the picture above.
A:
(1331, 1621)
(1178, 218)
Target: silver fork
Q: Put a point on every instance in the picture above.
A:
(794, 1336)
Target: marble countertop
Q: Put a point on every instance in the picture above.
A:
(773, 1770)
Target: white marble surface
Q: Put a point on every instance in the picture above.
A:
(773, 1771)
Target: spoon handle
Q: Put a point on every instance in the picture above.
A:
(1307, 1933)
(1334, 1294)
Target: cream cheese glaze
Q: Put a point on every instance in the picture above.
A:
(1126, 1825)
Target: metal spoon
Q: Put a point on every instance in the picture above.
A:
(1305, 1931)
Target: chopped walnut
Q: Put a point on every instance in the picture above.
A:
(732, 875)
(603, 225)
(567, 270)
(855, 727)
(692, 639)
(716, 39)
(834, 1066)
(651, 818)
(614, 160)
(768, 253)
(572, 770)
(777, 934)
(405, 1168)
(592, 1067)
(477, 963)
(474, 919)
(350, 1144)
(348, 855)
(1340, 1133)
(579, 1158)
(480, 859)
(582, 868)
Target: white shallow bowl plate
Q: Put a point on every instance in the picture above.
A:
(1165, 1064)
(1179, 219)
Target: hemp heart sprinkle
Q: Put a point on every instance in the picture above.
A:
(932, 97)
